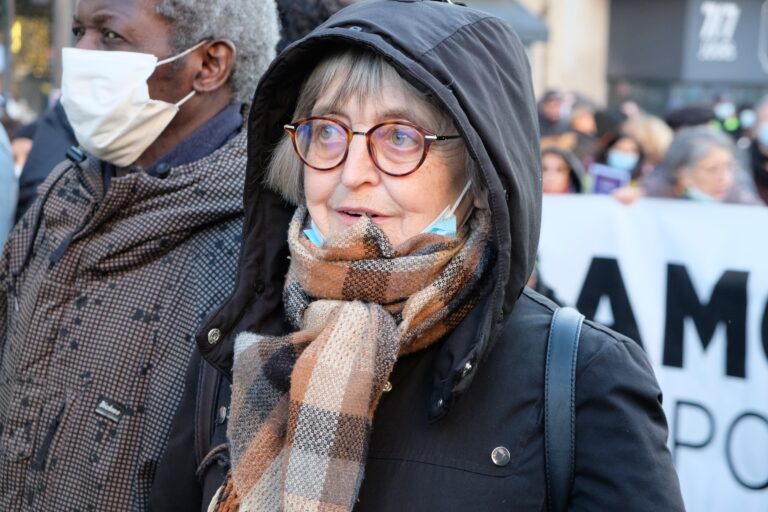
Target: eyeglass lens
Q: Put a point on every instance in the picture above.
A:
(395, 148)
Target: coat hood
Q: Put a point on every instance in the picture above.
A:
(475, 67)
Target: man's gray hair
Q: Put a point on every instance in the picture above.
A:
(252, 25)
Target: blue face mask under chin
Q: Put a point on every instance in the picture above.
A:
(445, 224)
(696, 194)
(314, 234)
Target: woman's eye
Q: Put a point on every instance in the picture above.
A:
(328, 132)
(402, 138)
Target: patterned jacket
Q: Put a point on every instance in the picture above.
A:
(100, 295)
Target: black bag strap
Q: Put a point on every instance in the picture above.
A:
(559, 406)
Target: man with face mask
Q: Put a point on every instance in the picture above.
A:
(131, 242)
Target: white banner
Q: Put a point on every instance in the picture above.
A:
(690, 281)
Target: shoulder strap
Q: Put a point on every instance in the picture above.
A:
(559, 406)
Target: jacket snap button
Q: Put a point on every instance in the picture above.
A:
(222, 415)
(214, 335)
(467, 369)
(500, 456)
(387, 387)
(356, 28)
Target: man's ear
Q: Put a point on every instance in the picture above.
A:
(216, 66)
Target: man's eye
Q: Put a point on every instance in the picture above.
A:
(78, 32)
(109, 35)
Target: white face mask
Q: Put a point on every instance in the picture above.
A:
(106, 98)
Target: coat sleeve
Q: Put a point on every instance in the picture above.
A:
(622, 460)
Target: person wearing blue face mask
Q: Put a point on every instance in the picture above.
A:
(397, 361)
(624, 153)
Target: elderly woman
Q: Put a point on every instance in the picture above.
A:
(700, 165)
(399, 365)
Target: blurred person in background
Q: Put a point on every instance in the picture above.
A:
(561, 171)
(653, 135)
(8, 187)
(584, 126)
(758, 150)
(726, 115)
(132, 241)
(700, 165)
(21, 145)
(690, 116)
(53, 136)
(550, 108)
(625, 153)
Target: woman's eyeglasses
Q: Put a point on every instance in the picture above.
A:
(397, 148)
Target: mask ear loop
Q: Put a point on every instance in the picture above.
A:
(179, 56)
(182, 54)
(461, 197)
(185, 99)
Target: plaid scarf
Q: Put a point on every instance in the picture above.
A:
(303, 404)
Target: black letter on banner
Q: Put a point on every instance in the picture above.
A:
(731, 465)
(728, 304)
(765, 330)
(604, 278)
(676, 432)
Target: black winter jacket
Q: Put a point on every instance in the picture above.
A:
(481, 387)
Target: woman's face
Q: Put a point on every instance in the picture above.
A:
(402, 206)
(555, 174)
(714, 174)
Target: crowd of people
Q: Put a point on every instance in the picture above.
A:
(697, 152)
(290, 275)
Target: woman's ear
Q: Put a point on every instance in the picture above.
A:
(683, 179)
(216, 67)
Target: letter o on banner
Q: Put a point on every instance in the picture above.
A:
(729, 450)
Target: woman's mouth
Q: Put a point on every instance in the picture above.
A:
(351, 215)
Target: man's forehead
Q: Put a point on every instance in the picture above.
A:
(116, 9)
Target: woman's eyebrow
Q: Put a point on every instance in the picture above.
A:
(409, 115)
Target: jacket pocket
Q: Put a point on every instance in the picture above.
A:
(41, 456)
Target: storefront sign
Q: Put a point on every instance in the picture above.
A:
(711, 41)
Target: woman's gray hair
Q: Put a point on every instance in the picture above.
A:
(689, 146)
(361, 75)
(252, 25)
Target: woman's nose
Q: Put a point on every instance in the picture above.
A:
(358, 168)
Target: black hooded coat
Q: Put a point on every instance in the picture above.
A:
(481, 387)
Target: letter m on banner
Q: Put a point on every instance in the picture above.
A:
(727, 305)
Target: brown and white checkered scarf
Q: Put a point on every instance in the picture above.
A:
(303, 404)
